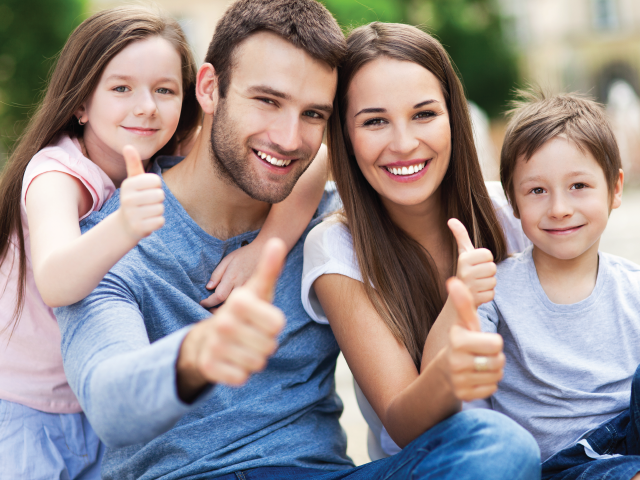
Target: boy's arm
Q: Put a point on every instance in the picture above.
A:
(286, 220)
(67, 266)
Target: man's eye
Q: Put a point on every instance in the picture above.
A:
(267, 101)
(121, 89)
(312, 114)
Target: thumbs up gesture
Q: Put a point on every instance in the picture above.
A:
(475, 265)
(239, 338)
(474, 360)
(141, 198)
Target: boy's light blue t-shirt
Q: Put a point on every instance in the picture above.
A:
(569, 367)
(120, 345)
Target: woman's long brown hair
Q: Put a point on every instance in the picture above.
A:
(75, 76)
(399, 275)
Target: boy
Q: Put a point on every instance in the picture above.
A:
(569, 315)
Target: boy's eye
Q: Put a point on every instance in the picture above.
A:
(537, 190)
(120, 89)
(578, 186)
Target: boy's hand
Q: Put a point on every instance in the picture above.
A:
(236, 341)
(141, 198)
(232, 272)
(475, 361)
(475, 265)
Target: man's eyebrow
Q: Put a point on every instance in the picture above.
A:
(266, 90)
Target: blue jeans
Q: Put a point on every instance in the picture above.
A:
(472, 445)
(619, 436)
(36, 445)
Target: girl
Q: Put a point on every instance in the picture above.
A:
(123, 87)
(403, 158)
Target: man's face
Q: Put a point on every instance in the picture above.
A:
(268, 128)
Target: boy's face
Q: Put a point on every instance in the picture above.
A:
(563, 199)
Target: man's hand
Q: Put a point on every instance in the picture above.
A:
(475, 361)
(239, 338)
(475, 265)
(141, 198)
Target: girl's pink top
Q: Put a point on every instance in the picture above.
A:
(31, 370)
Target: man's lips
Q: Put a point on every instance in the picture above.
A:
(142, 131)
(276, 164)
(563, 231)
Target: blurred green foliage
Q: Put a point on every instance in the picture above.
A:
(470, 30)
(32, 32)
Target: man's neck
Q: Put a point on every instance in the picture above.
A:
(220, 208)
(567, 281)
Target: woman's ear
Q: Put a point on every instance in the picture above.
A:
(207, 91)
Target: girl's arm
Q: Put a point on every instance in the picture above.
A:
(287, 220)
(67, 266)
(408, 402)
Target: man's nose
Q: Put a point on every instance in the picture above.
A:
(145, 104)
(286, 134)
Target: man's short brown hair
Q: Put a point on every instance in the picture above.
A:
(307, 24)
(537, 118)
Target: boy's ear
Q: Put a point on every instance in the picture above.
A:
(207, 91)
(616, 200)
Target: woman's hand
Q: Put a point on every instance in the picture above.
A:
(141, 198)
(475, 265)
(474, 360)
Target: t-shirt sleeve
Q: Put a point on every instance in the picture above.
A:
(327, 249)
(517, 241)
(59, 159)
(488, 317)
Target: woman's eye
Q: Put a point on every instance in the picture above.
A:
(120, 89)
(373, 122)
(164, 91)
(427, 114)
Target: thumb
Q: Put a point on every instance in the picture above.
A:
(132, 161)
(461, 235)
(463, 303)
(264, 278)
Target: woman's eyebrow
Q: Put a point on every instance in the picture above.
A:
(370, 110)
(426, 102)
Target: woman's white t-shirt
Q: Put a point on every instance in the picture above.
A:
(329, 250)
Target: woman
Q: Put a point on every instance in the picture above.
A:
(404, 162)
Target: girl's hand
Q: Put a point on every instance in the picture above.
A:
(474, 360)
(232, 272)
(475, 265)
(141, 198)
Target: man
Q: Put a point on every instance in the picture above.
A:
(178, 393)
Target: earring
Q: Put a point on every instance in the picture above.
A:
(80, 122)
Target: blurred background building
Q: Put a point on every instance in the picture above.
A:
(590, 46)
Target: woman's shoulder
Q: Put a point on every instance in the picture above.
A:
(330, 234)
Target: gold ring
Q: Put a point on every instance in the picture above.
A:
(481, 364)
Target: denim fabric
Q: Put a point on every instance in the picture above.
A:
(619, 436)
(120, 346)
(36, 445)
(472, 445)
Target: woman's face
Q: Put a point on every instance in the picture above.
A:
(398, 123)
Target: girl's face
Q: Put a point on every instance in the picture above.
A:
(137, 102)
(398, 123)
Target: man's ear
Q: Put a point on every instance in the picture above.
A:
(616, 200)
(207, 91)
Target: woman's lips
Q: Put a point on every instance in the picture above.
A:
(394, 170)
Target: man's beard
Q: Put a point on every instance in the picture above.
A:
(231, 160)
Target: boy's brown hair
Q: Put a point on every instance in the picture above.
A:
(537, 118)
(307, 24)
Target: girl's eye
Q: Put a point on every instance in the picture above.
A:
(537, 191)
(425, 114)
(120, 89)
(164, 91)
(373, 122)
(578, 186)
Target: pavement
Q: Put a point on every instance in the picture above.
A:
(622, 237)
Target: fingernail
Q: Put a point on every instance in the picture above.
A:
(210, 285)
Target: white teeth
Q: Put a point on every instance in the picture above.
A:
(406, 170)
(273, 160)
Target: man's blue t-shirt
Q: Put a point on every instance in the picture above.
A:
(120, 345)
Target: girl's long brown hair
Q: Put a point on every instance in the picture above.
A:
(75, 76)
(399, 275)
